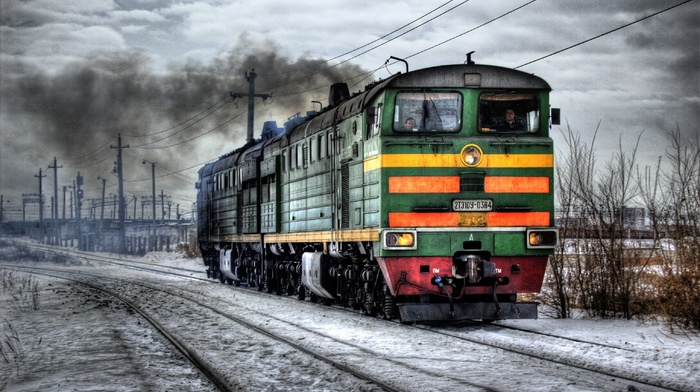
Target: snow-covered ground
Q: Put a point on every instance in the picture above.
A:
(77, 340)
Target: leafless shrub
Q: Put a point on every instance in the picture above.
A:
(8, 280)
(12, 250)
(191, 251)
(596, 269)
(11, 348)
(25, 294)
(603, 275)
(673, 199)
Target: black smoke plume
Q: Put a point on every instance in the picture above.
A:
(178, 117)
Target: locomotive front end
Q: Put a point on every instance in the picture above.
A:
(466, 207)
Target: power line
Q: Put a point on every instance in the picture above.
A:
(604, 34)
(196, 137)
(375, 40)
(402, 34)
(183, 129)
(90, 155)
(470, 30)
(378, 39)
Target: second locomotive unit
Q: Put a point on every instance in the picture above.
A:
(428, 196)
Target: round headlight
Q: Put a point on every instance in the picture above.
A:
(471, 155)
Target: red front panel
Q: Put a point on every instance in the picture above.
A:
(419, 272)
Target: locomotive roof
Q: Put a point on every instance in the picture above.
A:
(206, 169)
(225, 162)
(490, 76)
(347, 108)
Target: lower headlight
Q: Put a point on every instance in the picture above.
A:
(542, 238)
(400, 240)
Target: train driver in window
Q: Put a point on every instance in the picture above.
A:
(410, 124)
(511, 123)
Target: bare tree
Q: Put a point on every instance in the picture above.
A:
(602, 276)
(676, 215)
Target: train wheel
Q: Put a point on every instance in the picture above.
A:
(301, 293)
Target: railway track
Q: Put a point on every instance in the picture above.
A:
(211, 371)
(344, 354)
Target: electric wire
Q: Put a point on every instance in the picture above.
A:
(196, 137)
(184, 128)
(307, 76)
(603, 34)
(376, 40)
(471, 30)
(185, 121)
(402, 34)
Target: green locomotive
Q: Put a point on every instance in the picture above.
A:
(428, 196)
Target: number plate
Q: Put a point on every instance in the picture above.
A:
(472, 205)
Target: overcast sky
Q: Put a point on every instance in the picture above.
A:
(76, 73)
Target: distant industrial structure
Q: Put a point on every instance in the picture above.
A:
(575, 221)
(99, 228)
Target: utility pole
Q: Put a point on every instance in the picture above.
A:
(134, 207)
(251, 102)
(122, 228)
(102, 211)
(64, 202)
(114, 207)
(54, 211)
(41, 204)
(72, 200)
(2, 203)
(153, 187)
(78, 204)
(162, 207)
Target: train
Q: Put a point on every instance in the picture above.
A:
(426, 197)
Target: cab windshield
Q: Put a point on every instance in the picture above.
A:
(508, 112)
(428, 111)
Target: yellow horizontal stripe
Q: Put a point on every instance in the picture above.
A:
(242, 238)
(495, 161)
(324, 236)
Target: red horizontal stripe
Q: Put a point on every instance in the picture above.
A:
(468, 219)
(424, 184)
(516, 184)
